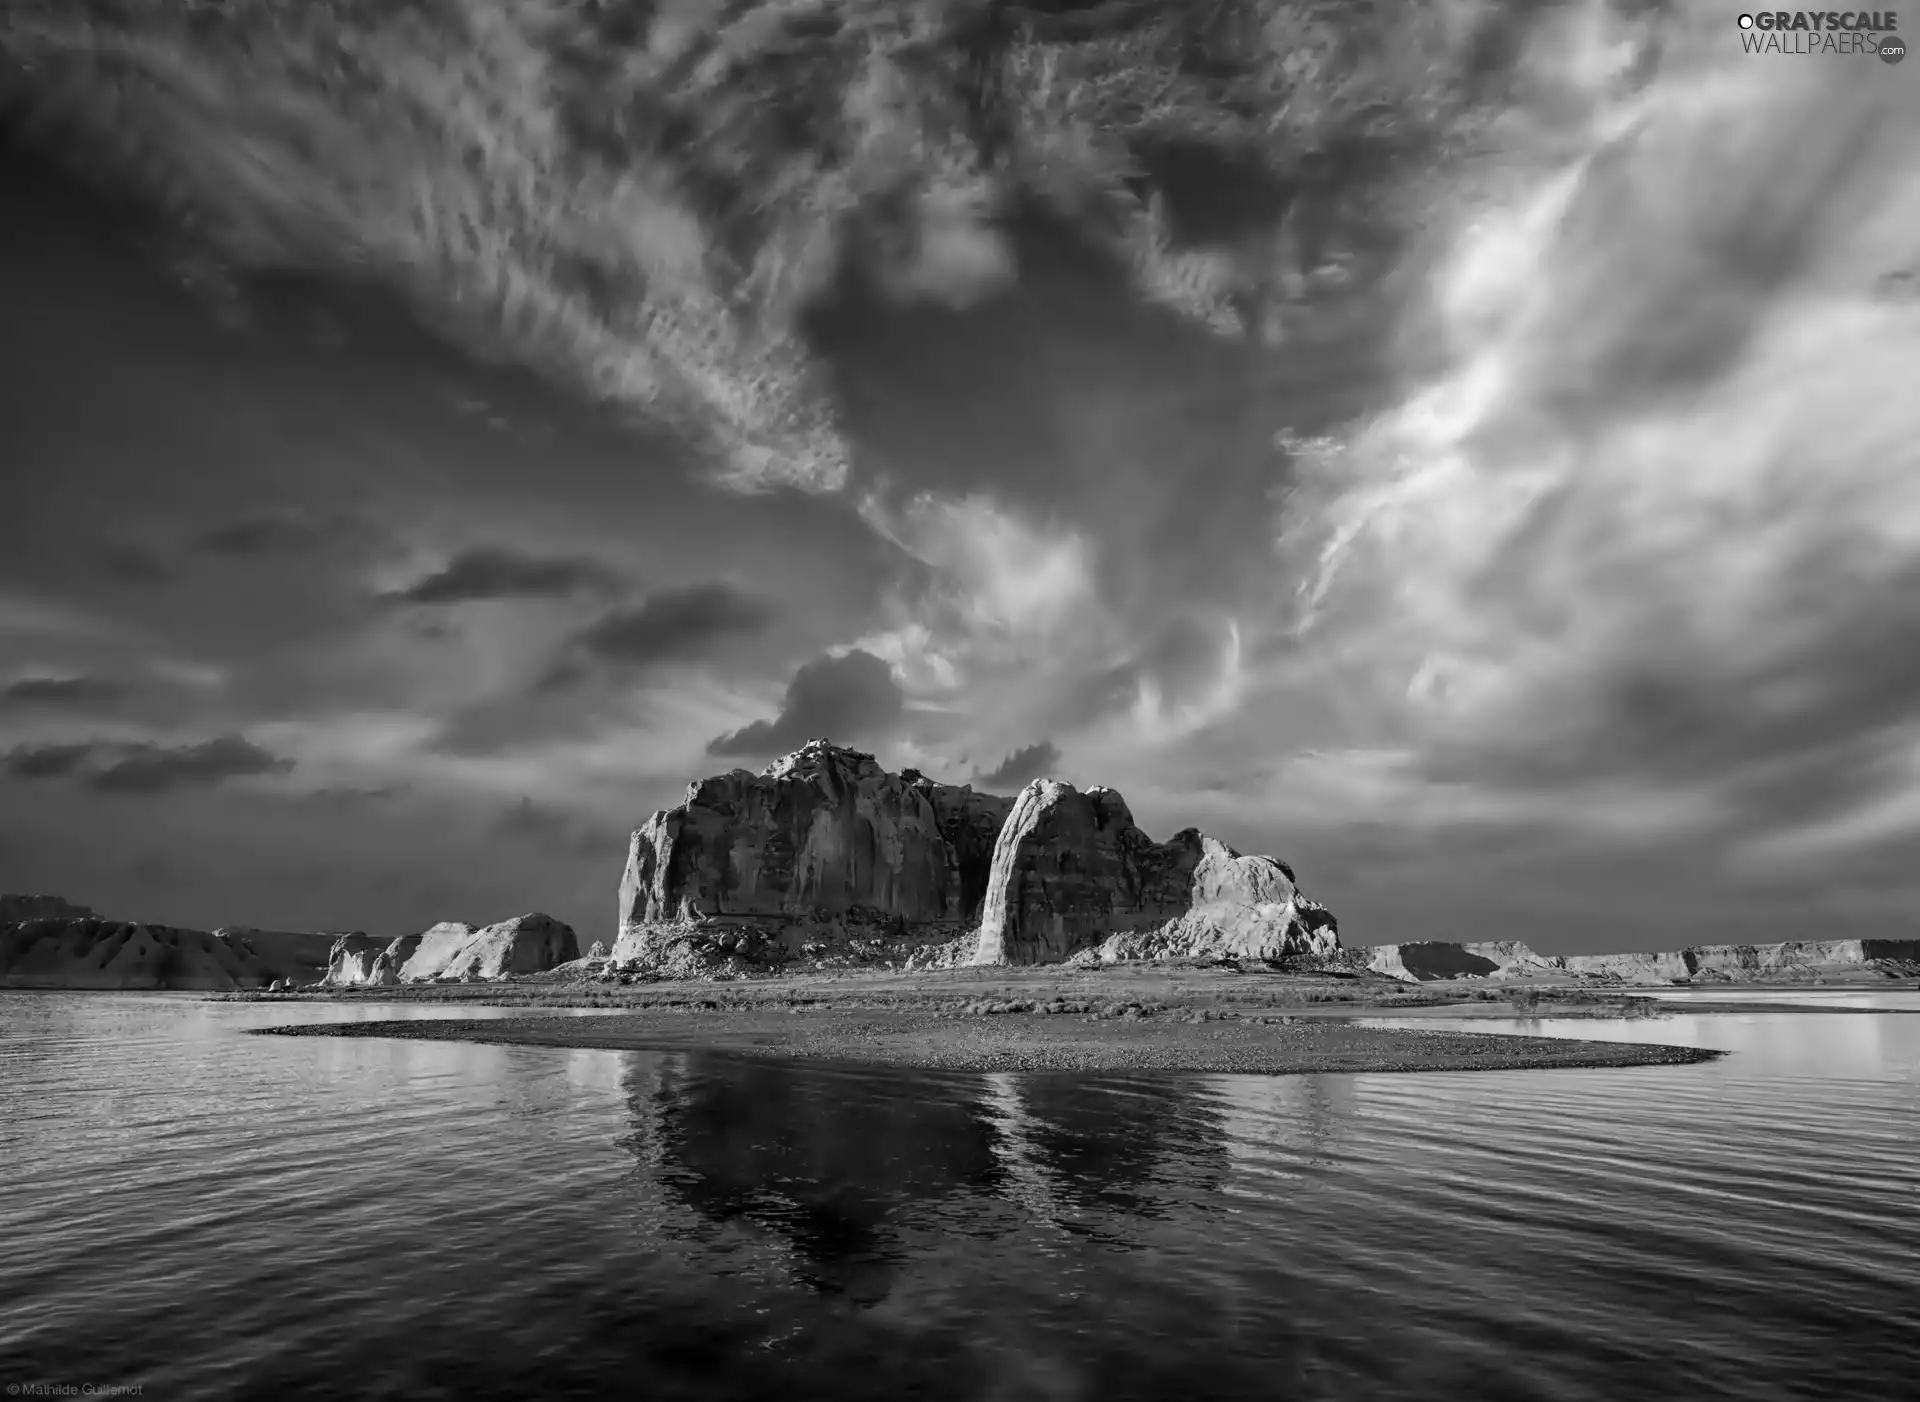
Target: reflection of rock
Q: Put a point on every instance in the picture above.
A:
(1736, 963)
(821, 1159)
(1071, 869)
(822, 846)
(1119, 1144)
(526, 944)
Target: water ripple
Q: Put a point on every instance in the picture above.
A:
(229, 1217)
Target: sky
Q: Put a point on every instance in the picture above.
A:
(409, 483)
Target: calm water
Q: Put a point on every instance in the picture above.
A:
(215, 1215)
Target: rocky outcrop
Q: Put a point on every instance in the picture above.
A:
(1791, 960)
(14, 909)
(526, 944)
(821, 846)
(1072, 869)
(1439, 959)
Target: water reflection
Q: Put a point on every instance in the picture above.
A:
(842, 1165)
(825, 1159)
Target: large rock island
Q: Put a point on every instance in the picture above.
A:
(824, 847)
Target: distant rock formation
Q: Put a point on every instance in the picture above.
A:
(1790, 960)
(14, 909)
(1072, 869)
(526, 944)
(821, 846)
(90, 952)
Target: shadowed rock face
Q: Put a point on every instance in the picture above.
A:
(823, 833)
(526, 944)
(1071, 869)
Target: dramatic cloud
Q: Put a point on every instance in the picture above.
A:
(145, 768)
(851, 698)
(1655, 523)
(614, 194)
(62, 691)
(1036, 761)
(675, 625)
(494, 573)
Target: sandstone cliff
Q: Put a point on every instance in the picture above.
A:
(1072, 869)
(825, 855)
(526, 944)
(820, 845)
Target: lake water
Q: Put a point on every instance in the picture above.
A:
(212, 1215)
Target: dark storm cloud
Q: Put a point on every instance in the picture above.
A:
(148, 769)
(849, 698)
(61, 691)
(272, 534)
(497, 573)
(1021, 767)
(675, 625)
(554, 832)
(47, 761)
(143, 768)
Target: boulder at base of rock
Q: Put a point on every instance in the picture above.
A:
(1072, 869)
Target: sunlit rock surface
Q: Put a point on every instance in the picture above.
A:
(526, 944)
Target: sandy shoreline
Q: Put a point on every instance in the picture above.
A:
(1191, 1020)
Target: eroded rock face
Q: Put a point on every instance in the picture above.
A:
(1072, 869)
(821, 838)
(526, 944)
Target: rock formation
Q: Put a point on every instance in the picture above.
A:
(115, 954)
(825, 855)
(14, 909)
(1072, 869)
(821, 846)
(526, 944)
(1792, 960)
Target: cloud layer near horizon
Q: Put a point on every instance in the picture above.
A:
(1456, 522)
